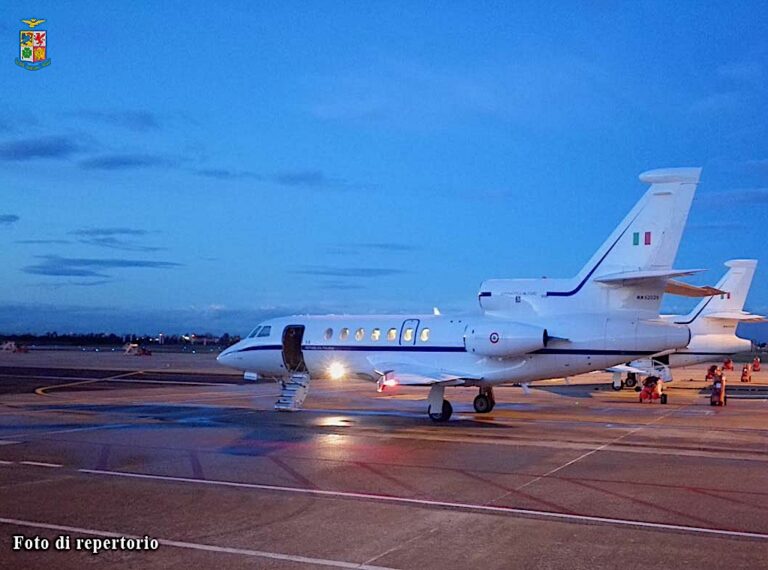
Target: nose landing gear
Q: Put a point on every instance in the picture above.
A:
(484, 401)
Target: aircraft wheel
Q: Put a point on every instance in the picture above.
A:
(638, 389)
(663, 398)
(631, 381)
(617, 387)
(483, 404)
(444, 415)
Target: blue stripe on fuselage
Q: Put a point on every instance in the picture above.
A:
(341, 348)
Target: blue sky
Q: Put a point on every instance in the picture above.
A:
(199, 166)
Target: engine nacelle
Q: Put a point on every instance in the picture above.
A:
(504, 339)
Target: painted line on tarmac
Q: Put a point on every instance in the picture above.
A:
(593, 451)
(6, 442)
(42, 391)
(182, 382)
(198, 546)
(40, 464)
(469, 507)
(89, 428)
(4, 462)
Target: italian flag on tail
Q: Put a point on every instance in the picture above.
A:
(646, 238)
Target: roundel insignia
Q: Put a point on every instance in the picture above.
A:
(494, 337)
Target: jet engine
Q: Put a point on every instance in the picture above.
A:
(504, 339)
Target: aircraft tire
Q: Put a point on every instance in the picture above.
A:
(483, 404)
(631, 381)
(444, 415)
(663, 398)
(619, 387)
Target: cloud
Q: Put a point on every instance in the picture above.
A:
(126, 162)
(303, 178)
(108, 232)
(751, 71)
(226, 174)
(340, 286)
(61, 284)
(8, 219)
(306, 178)
(39, 148)
(352, 249)
(718, 102)
(752, 196)
(42, 241)
(539, 91)
(56, 266)
(117, 243)
(366, 272)
(717, 226)
(759, 165)
(140, 121)
(107, 237)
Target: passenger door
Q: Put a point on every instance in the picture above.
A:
(293, 358)
(408, 332)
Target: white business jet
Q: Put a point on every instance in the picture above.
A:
(713, 325)
(530, 329)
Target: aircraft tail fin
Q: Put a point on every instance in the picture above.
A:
(639, 254)
(711, 315)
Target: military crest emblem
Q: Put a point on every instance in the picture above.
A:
(33, 46)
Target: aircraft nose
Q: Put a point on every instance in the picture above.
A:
(223, 357)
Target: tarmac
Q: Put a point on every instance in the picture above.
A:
(182, 451)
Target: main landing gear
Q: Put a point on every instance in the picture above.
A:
(484, 401)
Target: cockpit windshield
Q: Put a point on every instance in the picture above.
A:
(254, 332)
(265, 331)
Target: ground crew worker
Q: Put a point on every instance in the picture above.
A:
(746, 375)
(756, 364)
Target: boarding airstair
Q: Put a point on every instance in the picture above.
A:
(294, 392)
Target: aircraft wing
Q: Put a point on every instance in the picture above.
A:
(410, 374)
(681, 289)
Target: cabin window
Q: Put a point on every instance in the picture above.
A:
(392, 334)
(344, 334)
(375, 334)
(265, 331)
(408, 334)
(328, 334)
(424, 336)
(359, 334)
(254, 332)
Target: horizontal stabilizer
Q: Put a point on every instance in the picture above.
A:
(634, 277)
(737, 316)
(682, 289)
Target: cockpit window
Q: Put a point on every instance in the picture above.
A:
(265, 331)
(254, 332)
